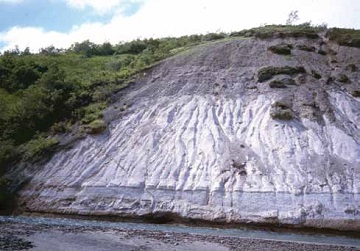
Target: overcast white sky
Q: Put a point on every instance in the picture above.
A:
(40, 23)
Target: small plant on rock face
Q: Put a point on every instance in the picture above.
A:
(356, 93)
(277, 84)
(96, 126)
(343, 79)
(282, 83)
(351, 67)
(305, 48)
(268, 72)
(322, 52)
(282, 49)
(281, 111)
(315, 74)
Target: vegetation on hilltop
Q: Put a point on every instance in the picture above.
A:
(282, 31)
(345, 37)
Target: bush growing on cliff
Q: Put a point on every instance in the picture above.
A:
(356, 93)
(343, 79)
(92, 112)
(281, 111)
(282, 49)
(96, 126)
(268, 72)
(282, 83)
(305, 48)
(315, 74)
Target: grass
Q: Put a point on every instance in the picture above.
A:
(281, 31)
(345, 37)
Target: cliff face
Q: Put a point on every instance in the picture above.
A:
(230, 131)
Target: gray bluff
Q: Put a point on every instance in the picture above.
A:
(229, 131)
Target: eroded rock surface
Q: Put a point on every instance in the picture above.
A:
(197, 139)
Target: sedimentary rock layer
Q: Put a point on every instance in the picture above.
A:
(199, 136)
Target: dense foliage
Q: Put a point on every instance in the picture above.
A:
(45, 93)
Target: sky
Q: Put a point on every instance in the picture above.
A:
(41, 23)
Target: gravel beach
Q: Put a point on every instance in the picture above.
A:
(19, 236)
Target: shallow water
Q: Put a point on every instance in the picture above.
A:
(238, 232)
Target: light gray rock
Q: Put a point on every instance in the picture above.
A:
(197, 140)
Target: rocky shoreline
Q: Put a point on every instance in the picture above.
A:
(20, 236)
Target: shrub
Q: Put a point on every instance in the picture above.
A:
(343, 79)
(322, 52)
(305, 48)
(96, 126)
(315, 74)
(282, 83)
(351, 67)
(92, 112)
(242, 33)
(133, 47)
(36, 147)
(356, 93)
(61, 127)
(268, 72)
(282, 49)
(345, 37)
(213, 36)
(277, 84)
(281, 111)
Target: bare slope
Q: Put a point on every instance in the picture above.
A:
(232, 131)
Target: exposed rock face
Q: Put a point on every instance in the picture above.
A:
(197, 139)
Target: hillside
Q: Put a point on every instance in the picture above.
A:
(261, 126)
